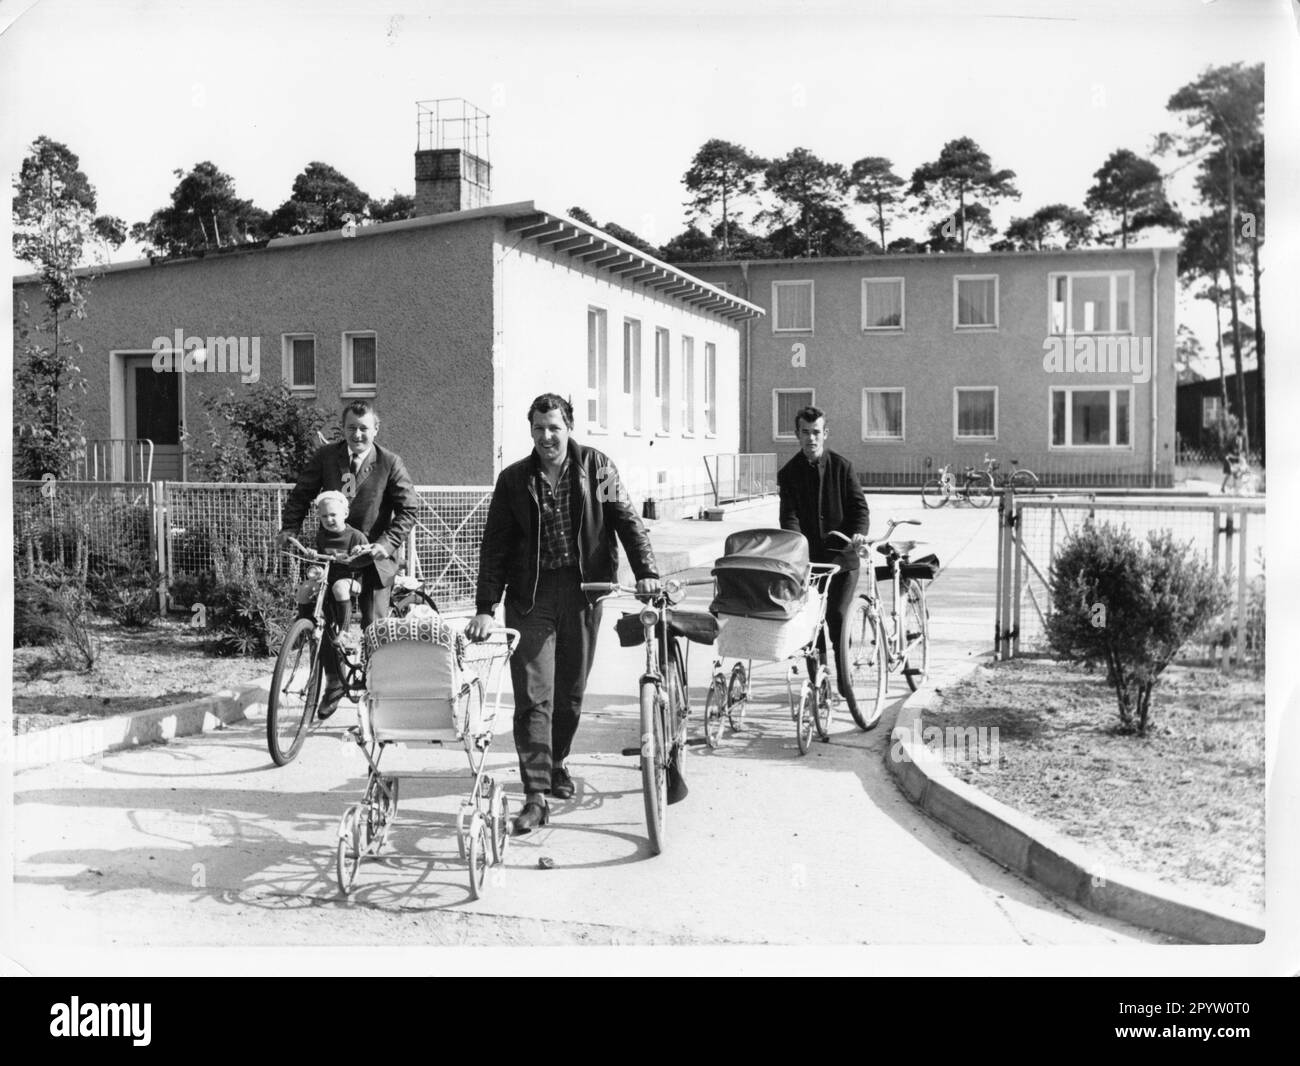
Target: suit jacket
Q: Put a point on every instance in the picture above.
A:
(600, 508)
(842, 506)
(384, 502)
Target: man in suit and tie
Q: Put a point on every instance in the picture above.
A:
(383, 507)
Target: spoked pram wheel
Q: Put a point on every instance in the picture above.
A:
(348, 856)
(500, 822)
(803, 717)
(737, 695)
(479, 855)
(822, 708)
(715, 711)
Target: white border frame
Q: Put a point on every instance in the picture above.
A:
(812, 402)
(902, 390)
(1131, 446)
(812, 306)
(902, 306)
(1114, 275)
(997, 413)
(286, 362)
(349, 388)
(957, 279)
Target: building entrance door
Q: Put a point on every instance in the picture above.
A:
(153, 412)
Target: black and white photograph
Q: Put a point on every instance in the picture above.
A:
(620, 488)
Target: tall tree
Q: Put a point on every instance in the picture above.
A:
(322, 199)
(1202, 260)
(808, 193)
(944, 232)
(205, 213)
(579, 215)
(1130, 190)
(719, 173)
(875, 184)
(1223, 111)
(395, 208)
(692, 245)
(1053, 226)
(962, 176)
(1187, 354)
(55, 228)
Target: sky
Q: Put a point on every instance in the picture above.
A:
(602, 105)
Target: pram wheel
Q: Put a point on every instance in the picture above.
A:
(500, 817)
(478, 855)
(348, 857)
(804, 714)
(822, 707)
(715, 710)
(737, 695)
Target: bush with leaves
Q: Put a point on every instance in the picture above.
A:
(1131, 607)
(265, 435)
(248, 610)
(37, 617)
(128, 594)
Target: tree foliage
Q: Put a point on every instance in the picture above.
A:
(266, 434)
(1129, 191)
(1050, 227)
(205, 213)
(807, 217)
(875, 184)
(961, 178)
(719, 174)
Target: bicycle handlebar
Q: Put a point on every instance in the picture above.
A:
(311, 555)
(889, 530)
(672, 585)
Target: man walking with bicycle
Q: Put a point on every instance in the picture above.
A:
(820, 495)
(552, 525)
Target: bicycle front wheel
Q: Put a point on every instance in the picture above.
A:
(916, 644)
(863, 646)
(295, 688)
(679, 709)
(1024, 481)
(654, 761)
(932, 494)
(979, 489)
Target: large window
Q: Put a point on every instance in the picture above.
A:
(299, 366)
(360, 364)
(1092, 418)
(597, 370)
(882, 414)
(882, 303)
(1093, 302)
(688, 384)
(792, 306)
(975, 414)
(785, 402)
(662, 382)
(632, 370)
(710, 388)
(975, 302)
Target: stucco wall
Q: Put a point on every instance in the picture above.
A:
(929, 358)
(542, 299)
(426, 292)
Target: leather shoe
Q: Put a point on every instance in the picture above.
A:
(535, 813)
(676, 782)
(329, 701)
(561, 783)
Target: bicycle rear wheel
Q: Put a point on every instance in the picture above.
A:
(679, 709)
(932, 494)
(979, 489)
(295, 689)
(863, 645)
(1024, 481)
(916, 634)
(654, 765)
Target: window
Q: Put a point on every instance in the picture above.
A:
(710, 389)
(662, 382)
(299, 361)
(792, 306)
(597, 370)
(1092, 418)
(976, 302)
(360, 364)
(975, 414)
(882, 303)
(785, 402)
(632, 370)
(688, 384)
(1211, 407)
(1094, 302)
(882, 414)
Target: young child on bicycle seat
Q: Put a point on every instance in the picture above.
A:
(335, 537)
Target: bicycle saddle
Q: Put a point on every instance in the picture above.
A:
(898, 547)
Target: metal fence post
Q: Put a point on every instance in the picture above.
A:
(158, 505)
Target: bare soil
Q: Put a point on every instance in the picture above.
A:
(136, 669)
(1184, 803)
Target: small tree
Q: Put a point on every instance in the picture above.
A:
(265, 435)
(1131, 607)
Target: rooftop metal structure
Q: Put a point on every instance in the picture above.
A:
(453, 122)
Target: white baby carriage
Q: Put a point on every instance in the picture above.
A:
(770, 602)
(420, 689)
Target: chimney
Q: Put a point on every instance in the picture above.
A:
(452, 171)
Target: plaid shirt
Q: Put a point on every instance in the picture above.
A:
(559, 547)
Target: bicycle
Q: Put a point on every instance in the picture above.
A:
(1021, 479)
(663, 690)
(976, 488)
(874, 647)
(299, 667)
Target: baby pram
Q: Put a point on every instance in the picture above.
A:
(770, 602)
(425, 685)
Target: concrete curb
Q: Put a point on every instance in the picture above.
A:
(1031, 848)
(82, 740)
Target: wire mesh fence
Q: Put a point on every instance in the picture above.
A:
(444, 544)
(740, 476)
(83, 527)
(1228, 534)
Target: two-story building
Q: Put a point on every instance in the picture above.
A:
(1063, 360)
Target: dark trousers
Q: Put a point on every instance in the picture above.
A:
(839, 602)
(548, 671)
(373, 601)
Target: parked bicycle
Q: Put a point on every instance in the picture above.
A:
(663, 688)
(299, 667)
(1021, 479)
(877, 644)
(976, 488)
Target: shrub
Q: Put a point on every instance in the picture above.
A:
(74, 605)
(37, 617)
(128, 595)
(267, 434)
(248, 610)
(1130, 606)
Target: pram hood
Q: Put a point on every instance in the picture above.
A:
(764, 574)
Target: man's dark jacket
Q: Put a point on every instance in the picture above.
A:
(600, 509)
(842, 506)
(384, 505)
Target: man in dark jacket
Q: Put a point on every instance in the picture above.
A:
(552, 525)
(384, 506)
(820, 494)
